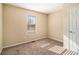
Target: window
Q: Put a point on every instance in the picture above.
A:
(31, 23)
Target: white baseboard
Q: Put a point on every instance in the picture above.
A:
(22, 42)
(51, 37)
(33, 40)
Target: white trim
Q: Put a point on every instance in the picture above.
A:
(22, 42)
(54, 38)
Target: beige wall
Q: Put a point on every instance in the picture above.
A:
(55, 25)
(0, 28)
(15, 26)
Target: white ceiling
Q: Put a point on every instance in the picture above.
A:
(40, 7)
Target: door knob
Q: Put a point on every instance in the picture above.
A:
(70, 31)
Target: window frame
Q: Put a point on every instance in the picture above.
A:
(31, 24)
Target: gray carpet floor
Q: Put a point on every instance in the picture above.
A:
(39, 47)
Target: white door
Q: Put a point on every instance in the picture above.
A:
(73, 28)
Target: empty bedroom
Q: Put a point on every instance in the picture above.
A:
(39, 29)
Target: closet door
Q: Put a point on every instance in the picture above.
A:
(77, 42)
(73, 18)
(71, 33)
(73, 14)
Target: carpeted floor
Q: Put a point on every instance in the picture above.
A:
(39, 47)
